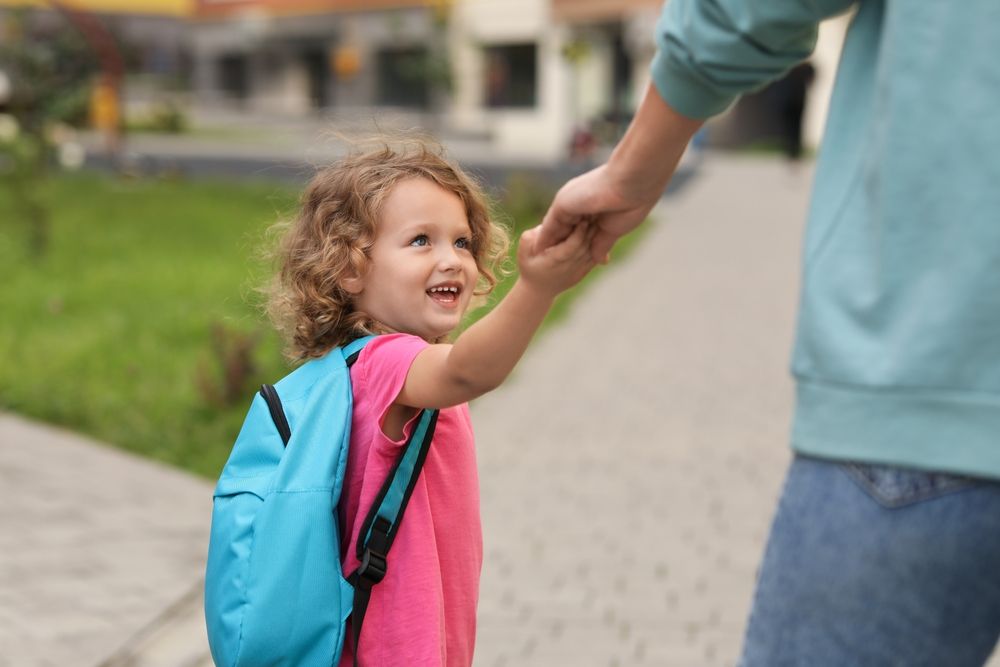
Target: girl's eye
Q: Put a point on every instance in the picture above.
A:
(463, 243)
(421, 240)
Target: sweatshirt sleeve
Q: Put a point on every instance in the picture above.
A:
(711, 51)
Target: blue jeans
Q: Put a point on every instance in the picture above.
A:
(874, 565)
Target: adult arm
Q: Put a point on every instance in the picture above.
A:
(708, 53)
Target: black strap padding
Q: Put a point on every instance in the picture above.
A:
(270, 395)
(372, 570)
(362, 595)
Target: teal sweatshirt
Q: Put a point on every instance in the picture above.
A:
(897, 358)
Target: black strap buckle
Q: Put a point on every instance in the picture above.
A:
(373, 567)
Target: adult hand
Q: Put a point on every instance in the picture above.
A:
(617, 196)
(594, 198)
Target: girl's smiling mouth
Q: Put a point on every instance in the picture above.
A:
(445, 294)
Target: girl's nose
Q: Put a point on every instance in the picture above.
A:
(448, 259)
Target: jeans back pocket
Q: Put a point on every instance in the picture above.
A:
(891, 486)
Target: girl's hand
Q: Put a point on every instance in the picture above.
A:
(557, 267)
(445, 375)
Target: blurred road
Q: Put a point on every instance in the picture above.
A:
(628, 471)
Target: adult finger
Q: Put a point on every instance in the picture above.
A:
(557, 225)
(589, 230)
(578, 238)
(600, 247)
(574, 244)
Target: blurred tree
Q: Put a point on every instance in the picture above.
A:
(50, 68)
(438, 67)
(431, 68)
(106, 95)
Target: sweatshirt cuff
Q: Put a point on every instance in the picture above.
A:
(686, 93)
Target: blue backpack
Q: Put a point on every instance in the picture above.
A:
(275, 593)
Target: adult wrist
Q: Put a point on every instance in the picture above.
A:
(631, 180)
(644, 160)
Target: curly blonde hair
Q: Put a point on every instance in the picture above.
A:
(332, 235)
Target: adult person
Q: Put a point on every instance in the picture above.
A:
(885, 547)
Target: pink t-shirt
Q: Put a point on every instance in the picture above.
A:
(424, 612)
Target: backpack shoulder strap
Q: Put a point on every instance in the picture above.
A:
(270, 395)
(353, 349)
(380, 526)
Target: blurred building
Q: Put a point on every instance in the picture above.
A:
(296, 56)
(519, 76)
(152, 34)
(532, 73)
(529, 72)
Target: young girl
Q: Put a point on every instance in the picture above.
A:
(398, 242)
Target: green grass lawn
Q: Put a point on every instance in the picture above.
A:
(110, 333)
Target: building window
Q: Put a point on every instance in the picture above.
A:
(511, 75)
(234, 77)
(403, 77)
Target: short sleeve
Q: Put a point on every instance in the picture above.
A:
(382, 368)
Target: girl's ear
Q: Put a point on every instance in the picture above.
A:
(352, 283)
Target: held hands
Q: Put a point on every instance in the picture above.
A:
(594, 200)
(558, 267)
(617, 196)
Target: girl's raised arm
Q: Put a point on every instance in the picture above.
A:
(484, 355)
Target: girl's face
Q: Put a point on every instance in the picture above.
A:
(422, 272)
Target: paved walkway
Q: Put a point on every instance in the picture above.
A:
(98, 548)
(630, 467)
(628, 471)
